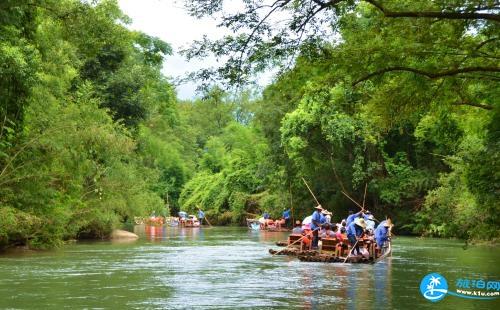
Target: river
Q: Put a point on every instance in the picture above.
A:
(229, 267)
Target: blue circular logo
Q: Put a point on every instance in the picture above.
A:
(433, 287)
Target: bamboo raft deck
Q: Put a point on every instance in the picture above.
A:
(332, 251)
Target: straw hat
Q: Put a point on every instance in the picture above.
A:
(318, 207)
(388, 223)
(360, 222)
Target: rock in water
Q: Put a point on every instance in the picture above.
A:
(123, 234)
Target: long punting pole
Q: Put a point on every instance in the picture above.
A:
(351, 250)
(310, 191)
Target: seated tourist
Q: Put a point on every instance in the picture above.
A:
(326, 232)
(337, 233)
(342, 226)
(307, 239)
(364, 252)
(297, 229)
(280, 223)
(270, 224)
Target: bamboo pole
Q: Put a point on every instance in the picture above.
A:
(291, 204)
(353, 200)
(208, 221)
(364, 196)
(310, 191)
(353, 247)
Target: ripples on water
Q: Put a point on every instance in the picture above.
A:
(173, 268)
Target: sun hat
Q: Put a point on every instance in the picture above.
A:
(388, 223)
(360, 222)
(319, 207)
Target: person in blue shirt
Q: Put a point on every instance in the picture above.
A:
(286, 216)
(316, 224)
(382, 232)
(352, 217)
(322, 218)
(355, 231)
(201, 216)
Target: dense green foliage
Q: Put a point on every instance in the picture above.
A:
(91, 133)
(401, 96)
(81, 95)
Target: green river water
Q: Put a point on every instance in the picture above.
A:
(230, 267)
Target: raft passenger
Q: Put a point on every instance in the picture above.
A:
(370, 221)
(342, 226)
(201, 216)
(316, 224)
(382, 233)
(338, 234)
(328, 216)
(298, 228)
(352, 217)
(326, 231)
(355, 232)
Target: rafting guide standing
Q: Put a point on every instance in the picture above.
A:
(316, 224)
(286, 217)
(201, 216)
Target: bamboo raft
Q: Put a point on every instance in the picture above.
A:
(255, 224)
(328, 258)
(332, 251)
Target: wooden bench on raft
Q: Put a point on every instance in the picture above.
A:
(294, 243)
(332, 246)
(369, 244)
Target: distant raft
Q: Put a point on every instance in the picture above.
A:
(267, 225)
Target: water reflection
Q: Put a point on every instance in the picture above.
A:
(382, 283)
(161, 233)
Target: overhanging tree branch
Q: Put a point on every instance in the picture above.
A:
(431, 75)
(440, 15)
(477, 105)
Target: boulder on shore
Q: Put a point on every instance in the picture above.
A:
(123, 234)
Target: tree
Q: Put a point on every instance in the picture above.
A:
(271, 32)
(81, 95)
